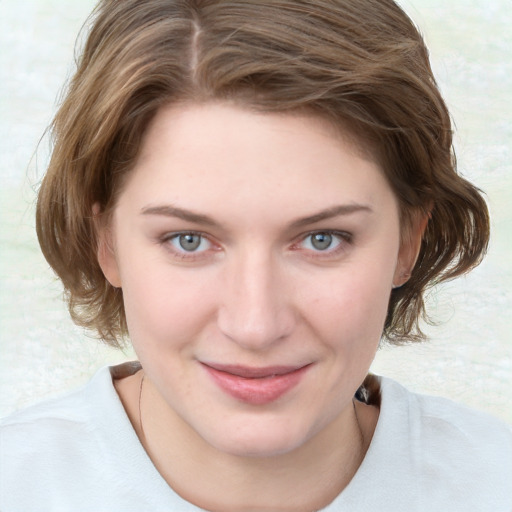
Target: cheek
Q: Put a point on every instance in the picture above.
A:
(351, 307)
(164, 307)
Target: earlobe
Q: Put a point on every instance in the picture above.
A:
(410, 248)
(105, 251)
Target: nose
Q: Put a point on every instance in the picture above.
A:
(256, 308)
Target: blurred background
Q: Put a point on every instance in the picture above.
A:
(469, 355)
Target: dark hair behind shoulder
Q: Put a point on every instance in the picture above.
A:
(362, 64)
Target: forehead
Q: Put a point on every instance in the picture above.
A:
(217, 117)
(217, 156)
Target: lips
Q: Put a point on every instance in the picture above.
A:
(255, 386)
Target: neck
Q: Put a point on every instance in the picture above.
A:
(307, 478)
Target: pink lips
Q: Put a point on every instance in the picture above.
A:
(255, 386)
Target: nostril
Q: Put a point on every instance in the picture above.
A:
(254, 309)
(255, 329)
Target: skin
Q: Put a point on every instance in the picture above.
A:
(256, 292)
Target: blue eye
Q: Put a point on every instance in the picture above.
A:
(321, 241)
(324, 241)
(189, 242)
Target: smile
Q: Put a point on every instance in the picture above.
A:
(255, 386)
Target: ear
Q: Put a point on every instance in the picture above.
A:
(410, 245)
(105, 251)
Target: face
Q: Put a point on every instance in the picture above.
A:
(256, 254)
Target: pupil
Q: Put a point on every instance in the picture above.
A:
(321, 241)
(190, 242)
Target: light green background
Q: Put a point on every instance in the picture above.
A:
(469, 356)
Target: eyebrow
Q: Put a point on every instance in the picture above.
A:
(199, 218)
(180, 213)
(329, 213)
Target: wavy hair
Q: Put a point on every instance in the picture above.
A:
(362, 64)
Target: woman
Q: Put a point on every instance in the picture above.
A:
(255, 193)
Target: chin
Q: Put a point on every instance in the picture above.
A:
(258, 439)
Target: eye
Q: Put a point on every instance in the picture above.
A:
(189, 242)
(326, 242)
(321, 241)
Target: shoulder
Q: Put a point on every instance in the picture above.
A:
(80, 453)
(72, 408)
(75, 408)
(61, 425)
(52, 445)
(455, 449)
(442, 420)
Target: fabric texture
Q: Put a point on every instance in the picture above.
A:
(81, 453)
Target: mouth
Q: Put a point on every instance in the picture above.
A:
(255, 386)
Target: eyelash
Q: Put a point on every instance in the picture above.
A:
(183, 254)
(343, 238)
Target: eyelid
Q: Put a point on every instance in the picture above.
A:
(168, 237)
(345, 238)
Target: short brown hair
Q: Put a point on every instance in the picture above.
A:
(360, 63)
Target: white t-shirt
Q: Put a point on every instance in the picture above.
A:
(80, 453)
